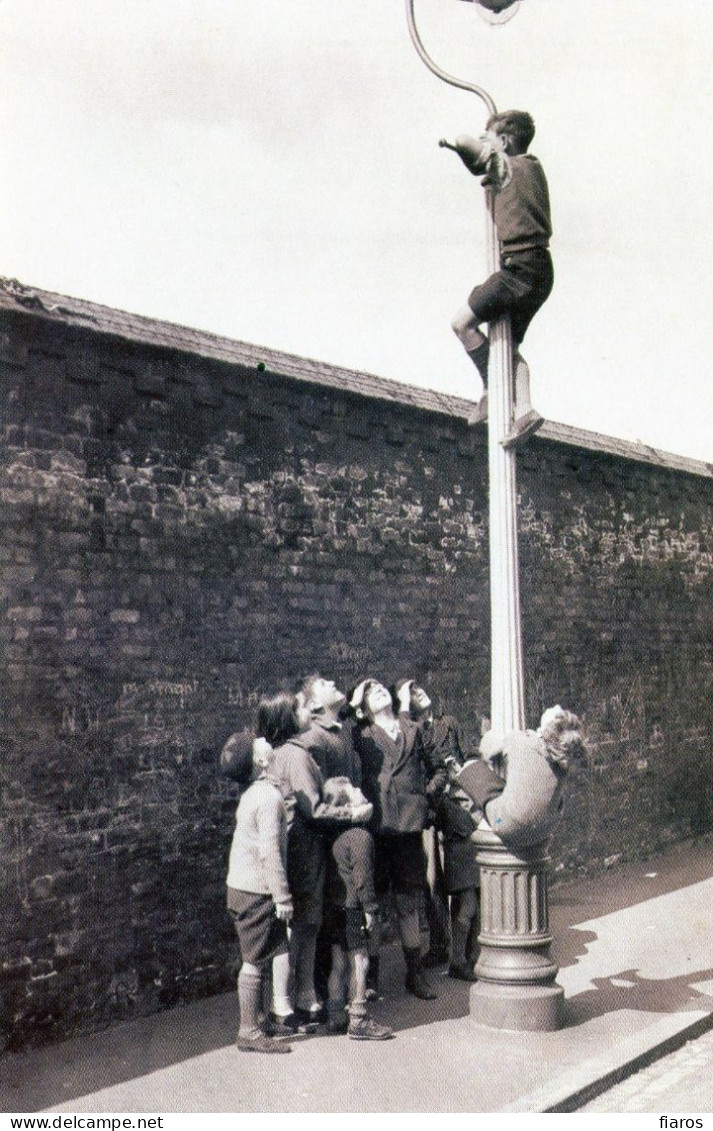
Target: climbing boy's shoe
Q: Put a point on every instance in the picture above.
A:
(366, 1029)
(261, 1043)
(480, 415)
(523, 427)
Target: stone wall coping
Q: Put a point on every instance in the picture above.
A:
(138, 328)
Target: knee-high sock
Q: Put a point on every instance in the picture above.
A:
(249, 994)
(280, 985)
(523, 402)
(479, 355)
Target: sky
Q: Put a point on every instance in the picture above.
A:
(269, 170)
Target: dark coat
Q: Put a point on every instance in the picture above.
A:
(460, 866)
(308, 816)
(332, 750)
(394, 777)
(443, 738)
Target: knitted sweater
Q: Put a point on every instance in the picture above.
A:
(522, 206)
(530, 805)
(258, 851)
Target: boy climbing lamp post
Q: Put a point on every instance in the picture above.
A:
(507, 693)
(516, 986)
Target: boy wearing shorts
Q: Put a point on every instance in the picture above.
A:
(350, 917)
(525, 278)
(258, 896)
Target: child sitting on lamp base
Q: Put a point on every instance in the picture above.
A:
(519, 783)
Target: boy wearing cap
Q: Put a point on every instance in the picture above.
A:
(259, 898)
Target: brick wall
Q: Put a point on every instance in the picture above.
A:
(187, 524)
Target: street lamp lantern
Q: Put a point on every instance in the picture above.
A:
(496, 11)
(495, 6)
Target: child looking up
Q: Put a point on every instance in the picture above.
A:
(258, 895)
(350, 917)
(395, 768)
(457, 818)
(282, 719)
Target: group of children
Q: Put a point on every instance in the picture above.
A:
(337, 793)
(339, 796)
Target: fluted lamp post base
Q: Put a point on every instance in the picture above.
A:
(516, 987)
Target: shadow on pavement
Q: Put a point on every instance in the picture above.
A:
(571, 944)
(628, 990)
(59, 1073)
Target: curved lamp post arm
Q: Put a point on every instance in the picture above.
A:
(461, 83)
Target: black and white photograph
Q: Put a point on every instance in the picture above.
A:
(356, 561)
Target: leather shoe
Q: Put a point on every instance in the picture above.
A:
(462, 972)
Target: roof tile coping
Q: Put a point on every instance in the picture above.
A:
(150, 331)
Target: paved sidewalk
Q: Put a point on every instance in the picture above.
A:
(635, 950)
(680, 1082)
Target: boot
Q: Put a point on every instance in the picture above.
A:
(522, 428)
(416, 981)
(527, 419)
(309, 1020)
(337, 1019)
(372, 979)
(364, 1028)
(282, 1025)
(480, 415)
(261, 1043)
(459, 967)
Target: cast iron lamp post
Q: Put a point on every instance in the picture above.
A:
(516, 986)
